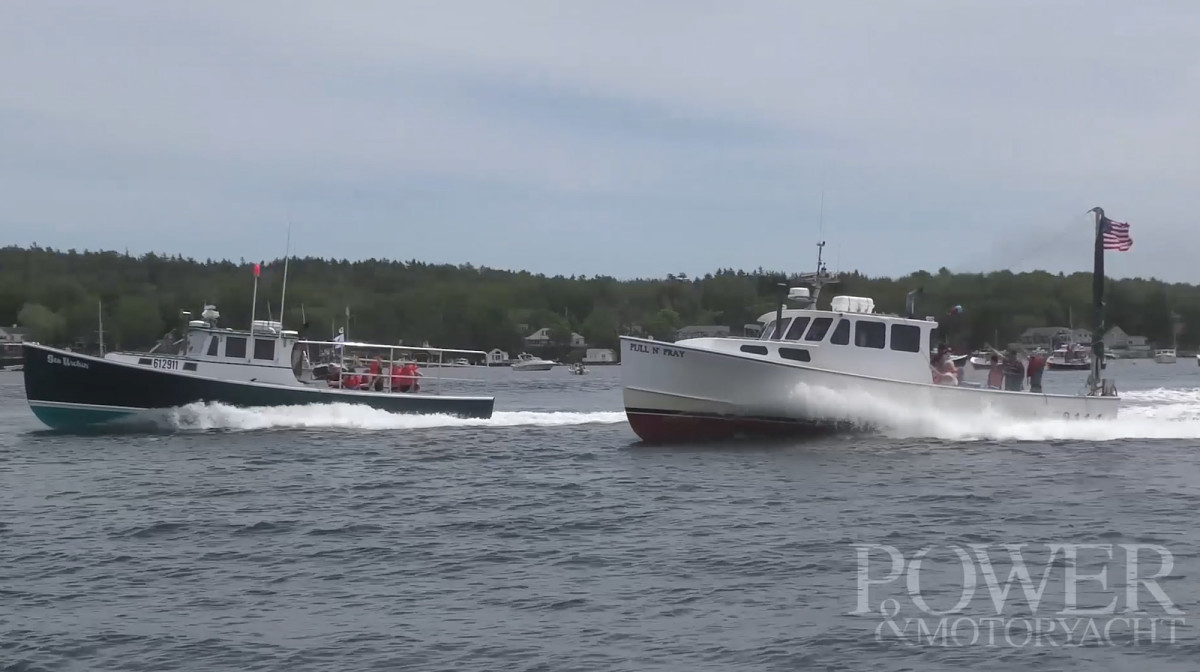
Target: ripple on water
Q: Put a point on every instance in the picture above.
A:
(568, 547)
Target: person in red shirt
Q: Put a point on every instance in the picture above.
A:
(408, 378)
(375, 380)
(1037, 364)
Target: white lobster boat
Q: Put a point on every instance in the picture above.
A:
(813, 371)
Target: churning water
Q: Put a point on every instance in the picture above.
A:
(548, 538)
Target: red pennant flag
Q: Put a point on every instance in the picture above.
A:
(256, 270)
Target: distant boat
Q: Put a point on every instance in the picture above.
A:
(1165, 356)
(1069, 357)
(527, 362)
(981, 359)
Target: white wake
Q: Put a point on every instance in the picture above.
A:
(1162, 413)
(353, 416)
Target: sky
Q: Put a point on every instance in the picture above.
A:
(612, 137)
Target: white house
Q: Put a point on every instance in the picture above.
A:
(541, 337)
(600, 356)
(1116, 338)
(497, 357)
(13, 334)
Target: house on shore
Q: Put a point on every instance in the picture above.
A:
(541, 339)
(1127, 346)
(702, 331)
(497, 357)
(600, 356)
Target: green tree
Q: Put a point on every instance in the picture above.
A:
(664, 324)
(44, 325)
(136, 320)
(600, 329)
(559, 331)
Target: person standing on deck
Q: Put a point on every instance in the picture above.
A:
(1014, 372)
(408, 377)
(995, 378)
(944, 371)
(376, 378)
(1037, 364)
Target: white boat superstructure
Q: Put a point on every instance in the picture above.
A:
(527, 362)
(813, 370)
(1165, 356)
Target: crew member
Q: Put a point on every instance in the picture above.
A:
(995, 379)
(1014, 371)
(408, 377)
(375, 379)
(944, 370)
(1037, 364)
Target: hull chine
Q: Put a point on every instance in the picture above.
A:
(68, 417)
(661, 426)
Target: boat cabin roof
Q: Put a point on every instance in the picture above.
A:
(852, 320)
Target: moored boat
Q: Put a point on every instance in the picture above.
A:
(1165, 356)
(1069, 357)
(813, 371)
(527, 362)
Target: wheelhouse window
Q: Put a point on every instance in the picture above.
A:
(818, 329)
(933, 338)
(870, 334)
(213, 342)
(235, 346)
(906, 338)
(769, 332)
(795, 331)
(797, 354)
(841, 333)
(264, 349)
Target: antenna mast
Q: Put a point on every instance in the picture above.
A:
(286, 256)
(100, 311)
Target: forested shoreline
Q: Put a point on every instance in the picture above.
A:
(57, 294)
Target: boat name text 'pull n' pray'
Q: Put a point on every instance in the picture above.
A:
(655, 350)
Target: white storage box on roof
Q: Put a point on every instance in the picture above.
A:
(852, 304)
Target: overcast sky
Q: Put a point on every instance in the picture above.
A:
(614, 137)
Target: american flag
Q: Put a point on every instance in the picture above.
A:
(1116, 235)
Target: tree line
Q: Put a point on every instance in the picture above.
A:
(59, 296)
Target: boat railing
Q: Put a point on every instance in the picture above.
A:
(353, 359)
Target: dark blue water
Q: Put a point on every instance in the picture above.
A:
(549, 539)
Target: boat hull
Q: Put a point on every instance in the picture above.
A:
(70, 391)
(1070, 366)
(673, 392)
(539, 366)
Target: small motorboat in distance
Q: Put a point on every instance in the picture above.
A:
(577, 369)
(527, 362)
